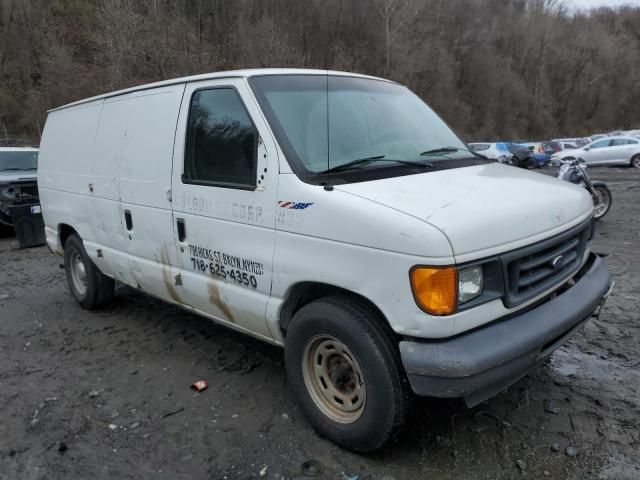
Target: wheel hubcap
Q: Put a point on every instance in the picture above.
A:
(601, 203)
(333, 379)
(78, 273)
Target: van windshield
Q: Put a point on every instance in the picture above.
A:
(17, 160)
(325, 121)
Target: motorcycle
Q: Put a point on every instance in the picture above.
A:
(574, 170)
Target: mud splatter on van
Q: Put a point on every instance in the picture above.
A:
(215, 299)
(166, 275)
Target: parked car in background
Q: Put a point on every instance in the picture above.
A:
(570, 143)
(540, 154)
(606, 151)
(521, 155)
(494, 151)
(505, 152)
(551, 147)
(18, 179)
(632, 133)
(597, 136)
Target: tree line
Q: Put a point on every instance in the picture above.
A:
(493, 69)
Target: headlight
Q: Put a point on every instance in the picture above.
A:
(439, 291)
(469, 283)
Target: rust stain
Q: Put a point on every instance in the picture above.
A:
(166, 275)
(214, 298)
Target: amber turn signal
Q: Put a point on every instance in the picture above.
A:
(435, 289)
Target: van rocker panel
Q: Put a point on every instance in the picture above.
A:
(480, 364)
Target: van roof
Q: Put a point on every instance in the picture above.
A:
(213, 75)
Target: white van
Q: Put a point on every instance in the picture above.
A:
(330, 213)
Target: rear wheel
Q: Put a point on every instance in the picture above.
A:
(346, 373)
(635, 161)
(90, 287)
(601, 200)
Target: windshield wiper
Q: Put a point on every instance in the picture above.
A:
(376, 158)
(444, 150)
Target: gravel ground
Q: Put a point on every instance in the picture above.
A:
(106, 394)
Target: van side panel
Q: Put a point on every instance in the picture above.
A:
(64, 169)
(132, 170)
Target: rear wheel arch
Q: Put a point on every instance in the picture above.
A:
(64, 232)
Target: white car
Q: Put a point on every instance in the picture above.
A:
(495, 151)
(621, 150)
(330, 213)
(18, 179)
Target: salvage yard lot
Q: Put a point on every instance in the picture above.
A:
(106, 394)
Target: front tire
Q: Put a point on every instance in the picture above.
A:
(345, 371)
(91, 288)
(635, 161)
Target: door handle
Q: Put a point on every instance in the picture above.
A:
(182, 233)
(128, 220)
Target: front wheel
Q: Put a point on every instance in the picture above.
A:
(601, 200)
(635, 161)
(345, 371)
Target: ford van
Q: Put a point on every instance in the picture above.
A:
(333, 214)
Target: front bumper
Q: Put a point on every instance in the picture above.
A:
(482, 363)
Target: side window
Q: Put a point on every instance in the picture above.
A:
(620, 141)
(601, 143)
(221, 141)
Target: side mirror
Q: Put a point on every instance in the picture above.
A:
(586, 149)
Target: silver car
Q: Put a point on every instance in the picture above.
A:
(620, 150)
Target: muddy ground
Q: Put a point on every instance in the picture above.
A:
(106, 395)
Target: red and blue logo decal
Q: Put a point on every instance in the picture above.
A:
(294, 205)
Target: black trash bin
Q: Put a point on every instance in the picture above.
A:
(28, 223)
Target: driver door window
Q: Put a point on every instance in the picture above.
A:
(221, 141)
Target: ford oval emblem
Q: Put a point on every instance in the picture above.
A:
(558, 262)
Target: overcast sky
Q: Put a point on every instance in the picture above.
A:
(577, 4)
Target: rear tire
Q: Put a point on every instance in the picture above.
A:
(345, 371)
(91, 288)
(635, 161)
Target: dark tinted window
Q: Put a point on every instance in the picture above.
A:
(221, 140)
(620, 141)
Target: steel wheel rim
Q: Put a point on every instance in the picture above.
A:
(601, 207)
(78, 273)
(333, 379)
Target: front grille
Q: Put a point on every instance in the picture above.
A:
(535, 269)
(30, 190)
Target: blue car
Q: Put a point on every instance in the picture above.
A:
(541, 155)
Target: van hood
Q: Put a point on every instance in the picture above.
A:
(12, 176)
(490, 208)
